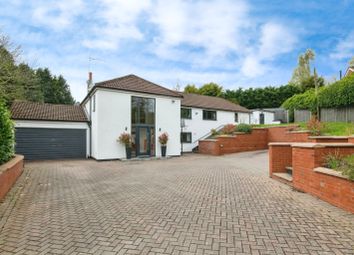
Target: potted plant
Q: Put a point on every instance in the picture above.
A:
(126, 139)
(163, 138)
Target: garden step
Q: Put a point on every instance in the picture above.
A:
(285, 176)
(289, 170)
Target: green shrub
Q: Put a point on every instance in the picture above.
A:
(315, 126)
(305, 101)
(244, 128)
(7, 139)
(340, 93)
(345, 164)
(214, 132)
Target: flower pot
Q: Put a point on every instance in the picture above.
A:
(128, 152)
(163, 151)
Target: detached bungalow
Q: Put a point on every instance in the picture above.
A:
(127, 104)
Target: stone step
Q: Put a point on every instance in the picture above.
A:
(285, 176)
(289, 170)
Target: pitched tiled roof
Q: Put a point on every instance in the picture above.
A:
(208, 102)
(53, 112)
(136, 84)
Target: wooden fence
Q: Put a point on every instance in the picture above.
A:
(302, 116)
(343, 114)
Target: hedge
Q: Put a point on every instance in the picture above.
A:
(7, 139)
(340, 93)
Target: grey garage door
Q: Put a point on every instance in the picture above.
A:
(50, 143)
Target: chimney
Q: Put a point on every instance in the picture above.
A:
(89, 82)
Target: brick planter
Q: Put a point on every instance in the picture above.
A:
(9, 172)
(329, 139)
(308, 174)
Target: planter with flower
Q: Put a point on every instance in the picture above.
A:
(126, 139)
(163, 139)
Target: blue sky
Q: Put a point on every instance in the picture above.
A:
(236, 43)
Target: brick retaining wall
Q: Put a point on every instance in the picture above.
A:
(305, 159)
(9, 172)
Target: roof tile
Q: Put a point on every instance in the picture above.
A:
(21, 110)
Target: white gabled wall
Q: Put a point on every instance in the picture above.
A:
(268, 117)
(56, 124)
(199, 127)
(113, 117)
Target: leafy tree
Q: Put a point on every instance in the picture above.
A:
(303, 70)
(55, 89)
(191, 88)
(267, 97)
(18, 81)
(7, 139)
(211, 89)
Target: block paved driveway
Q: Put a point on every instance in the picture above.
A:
(189, 205)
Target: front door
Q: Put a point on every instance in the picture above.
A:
(261, 118)
(142, 141)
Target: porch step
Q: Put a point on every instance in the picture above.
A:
(285, 176)
(289, 170)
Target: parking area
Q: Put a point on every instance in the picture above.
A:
(193, 204)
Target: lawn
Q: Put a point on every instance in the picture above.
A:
(330, 128)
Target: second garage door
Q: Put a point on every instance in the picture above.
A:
(50, 143)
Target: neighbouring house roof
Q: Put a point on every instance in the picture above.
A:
(208, 102)
(51, 112)
(134, 83)
(349, 71)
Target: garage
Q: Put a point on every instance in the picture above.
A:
(49, 131)
(50, 143)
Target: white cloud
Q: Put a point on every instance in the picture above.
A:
(275, 39)
(345, 48)
(212, 27)
(119, 18)
(58, 14)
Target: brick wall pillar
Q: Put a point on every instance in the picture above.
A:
(279, 157)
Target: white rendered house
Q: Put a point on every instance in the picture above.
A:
(133, 105)
(128, 104)
(200, 114)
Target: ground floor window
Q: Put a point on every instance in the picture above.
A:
(186, 137)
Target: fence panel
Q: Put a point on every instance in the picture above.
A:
(302, 115)
(343, 114)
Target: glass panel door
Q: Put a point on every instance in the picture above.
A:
(142, 141)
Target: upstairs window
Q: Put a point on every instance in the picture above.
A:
(209, 115)
(186, 113)
(236, 117)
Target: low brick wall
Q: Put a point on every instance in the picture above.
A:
(280, 156)
(257, 140)
(328, 139)
(305, 159)
(9, 172)
(351, 139)
(210, 147)
(287, 134)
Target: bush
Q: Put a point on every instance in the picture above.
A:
(228, 129)
(7, 138)
(340, 93)
(345, 165)
(213, 132)
(244, 128)
(305, 101)
(314, 126)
